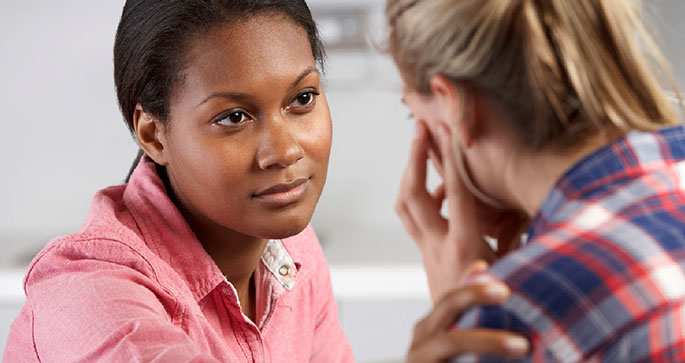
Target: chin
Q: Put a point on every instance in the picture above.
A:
(285, 232)
(285, 227)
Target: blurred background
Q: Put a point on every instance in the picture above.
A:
(63, 139)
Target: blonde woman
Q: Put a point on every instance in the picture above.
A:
(555, 109)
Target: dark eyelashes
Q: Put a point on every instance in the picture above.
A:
(311, 91)
(246, 115)
(227, 116)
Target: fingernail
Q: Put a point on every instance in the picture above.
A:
(481, 278)
(497, 291)
(516, 345)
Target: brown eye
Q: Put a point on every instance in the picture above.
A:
(233, 117)
(236, 117)
(304, 99)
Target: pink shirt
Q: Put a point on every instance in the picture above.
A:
(136, 285)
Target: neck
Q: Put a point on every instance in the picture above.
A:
(531, 176)
(236, 254)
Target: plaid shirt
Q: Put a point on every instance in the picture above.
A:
(602, 276)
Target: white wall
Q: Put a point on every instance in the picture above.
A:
(62, 135)
(666, 16)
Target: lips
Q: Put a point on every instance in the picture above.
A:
(283, 194)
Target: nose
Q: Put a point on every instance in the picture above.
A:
(278, 148)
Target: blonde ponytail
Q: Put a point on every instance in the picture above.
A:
(560, 69)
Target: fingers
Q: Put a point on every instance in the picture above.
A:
(435, 340)
(435, 157)
(417, 208)
(448, 308)
(477, 341)
(415, 174)
(477, 267)
(460, 202)
(408, 221)
(438, 195)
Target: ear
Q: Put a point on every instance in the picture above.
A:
(150, 135)
(457, 106)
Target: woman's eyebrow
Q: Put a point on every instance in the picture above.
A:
(229, 95)
(302, 75)
(244, 96)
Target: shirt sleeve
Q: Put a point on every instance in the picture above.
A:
(87, 308)
(330, 343)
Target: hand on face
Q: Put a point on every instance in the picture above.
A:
(435, 339)
(506, 226)
(448, 245)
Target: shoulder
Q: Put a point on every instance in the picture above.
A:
(72, 266)
(89, 247)
(108, 239)
(556, 300)
(109, 214)
(558, 282)
(578, 294)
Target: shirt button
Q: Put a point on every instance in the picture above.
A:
(284, 270)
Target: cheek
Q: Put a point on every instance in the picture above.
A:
(317, 136)
(206, 168)
(319, 140)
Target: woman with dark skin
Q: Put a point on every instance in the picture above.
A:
(206, 253)
(222, 162)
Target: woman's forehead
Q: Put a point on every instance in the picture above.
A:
(259, 47)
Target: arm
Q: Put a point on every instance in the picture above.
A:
(86, 308)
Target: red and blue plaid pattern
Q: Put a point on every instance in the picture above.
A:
(602, 278)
